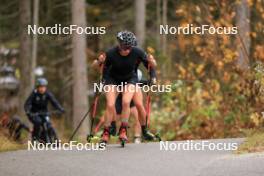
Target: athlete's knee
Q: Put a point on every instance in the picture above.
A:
(102, 119)
(125, 103)
(110, 106)
(139, 105)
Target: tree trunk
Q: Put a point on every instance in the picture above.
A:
(158, 23)
(140, 22)
(80, 98)
(24, 54)
(243, 24)
(35, 40)
(164, 22)
(164, 50)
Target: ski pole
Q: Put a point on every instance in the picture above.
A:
(90, 135)
(148, 105)
(148, 99)
(80, 123)
(93, 106)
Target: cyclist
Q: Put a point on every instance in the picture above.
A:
(36, 107)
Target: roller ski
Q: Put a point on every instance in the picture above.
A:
(123, 135)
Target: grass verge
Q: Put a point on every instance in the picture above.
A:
(9, 145)
(254, 142)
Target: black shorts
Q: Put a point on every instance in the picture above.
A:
(118, 104)
(109, 80)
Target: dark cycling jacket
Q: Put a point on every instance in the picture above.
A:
(125, 67)
(37, 102)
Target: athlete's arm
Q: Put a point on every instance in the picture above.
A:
(54, 102)
(152, 61)
(148, 60)
(107, 65)
(153, 76)
(102, 63)
(97, 63)
(150, 64)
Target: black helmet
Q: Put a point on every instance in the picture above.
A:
(41, 82)
(126, 38)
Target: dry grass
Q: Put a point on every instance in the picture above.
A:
(9, 145)
(253, 143)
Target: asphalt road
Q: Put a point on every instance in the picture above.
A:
(134, 160)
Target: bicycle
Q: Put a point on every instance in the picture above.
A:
(47, 133)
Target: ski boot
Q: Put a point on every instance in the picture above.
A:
(112, 129)
(147, 135)
(105, 136)
(123, 134)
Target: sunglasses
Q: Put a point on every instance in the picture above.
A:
(125, 47)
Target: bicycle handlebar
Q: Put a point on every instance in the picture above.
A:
(45, 113)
